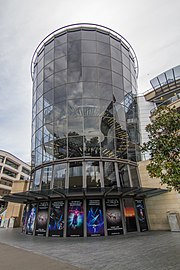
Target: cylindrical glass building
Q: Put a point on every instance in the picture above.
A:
(85, 132)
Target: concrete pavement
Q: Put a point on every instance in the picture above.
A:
(142, 251)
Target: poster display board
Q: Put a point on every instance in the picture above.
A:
(141, 215)
(75, 218)
(42, 218)
(56, 219)
(31, 216)
(113, 216)
(95, 220)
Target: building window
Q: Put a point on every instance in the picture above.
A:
(109, 174)
(75, 175)
(12, 164)
(59, 175)
(46, 177)
(1, 159)
(123, 175)
(9, 173)
(26, 171)
(93, 174)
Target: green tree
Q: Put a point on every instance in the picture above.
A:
(164, 146)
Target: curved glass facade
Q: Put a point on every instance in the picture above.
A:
(84, 124)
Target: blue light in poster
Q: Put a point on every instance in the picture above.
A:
(95, 221)
(75, 218)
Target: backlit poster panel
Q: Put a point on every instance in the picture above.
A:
(31, 217)
(95, 220)
(41, 219)
(113, 217)
(141, 215)
(56, 219)
(75, 218)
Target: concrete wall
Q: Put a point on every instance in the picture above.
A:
(16, 209)
(158, 206)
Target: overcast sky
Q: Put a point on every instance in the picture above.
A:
(152, 27)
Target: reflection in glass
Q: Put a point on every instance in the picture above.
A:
(60, 148)
(93, 174)
(134, 176)
(46, 177)
(37, 180)
(59, 175)
(92, 146)
(109, 174)
(107, 147)
(123, 175)
(75, 146)
(75, 175)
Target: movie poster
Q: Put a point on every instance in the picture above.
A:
(95, 220)
(56, 221)
(31, 216)
(113, 217)
(75, 218)
(141, 215)
(24, 218)
(42, 218)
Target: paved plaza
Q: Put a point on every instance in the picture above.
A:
(142, 251)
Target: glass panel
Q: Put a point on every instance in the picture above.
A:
(103, 61)
(126, 73)
(48, 70)
(103, 48)
(48, 151)
(91, 126)
(60, 148)
(75, 146)
(74, 54)
(125, 61)
(75, 126)
(116, 54)
(105, 76)
(125, 50)
(92, 146)
(121, 148)
(90, 89)
(39, 105)
(40, 65)
(170, 76)
(49, 57)
(129, 213)
(38, 137)
(116, 66)
(74, 90)
(60, 39)
(103, 37)
(74, 35)
(46, 177)
(60, 64)
(60, 94)
(49, 46)
(105, 91)
(90, 74)
(75, 175)
(40, 77)
(61, 51)
(134, 176)
(177, 72)
(75, 108)
(88, 34)
(74, 75)
(107, 126)
(60, 78)
(39, 91)
(154, 82)
(59, 175)
(38, 155)
(117, 80)
(89, 59)
(107, 147)
(115, 43)
(162, 79)
(127, 86)
(93, 174)
(88, 46)
(48, 98)
(37, 177)
(123, 175)
(48, 83)
(109, 174)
